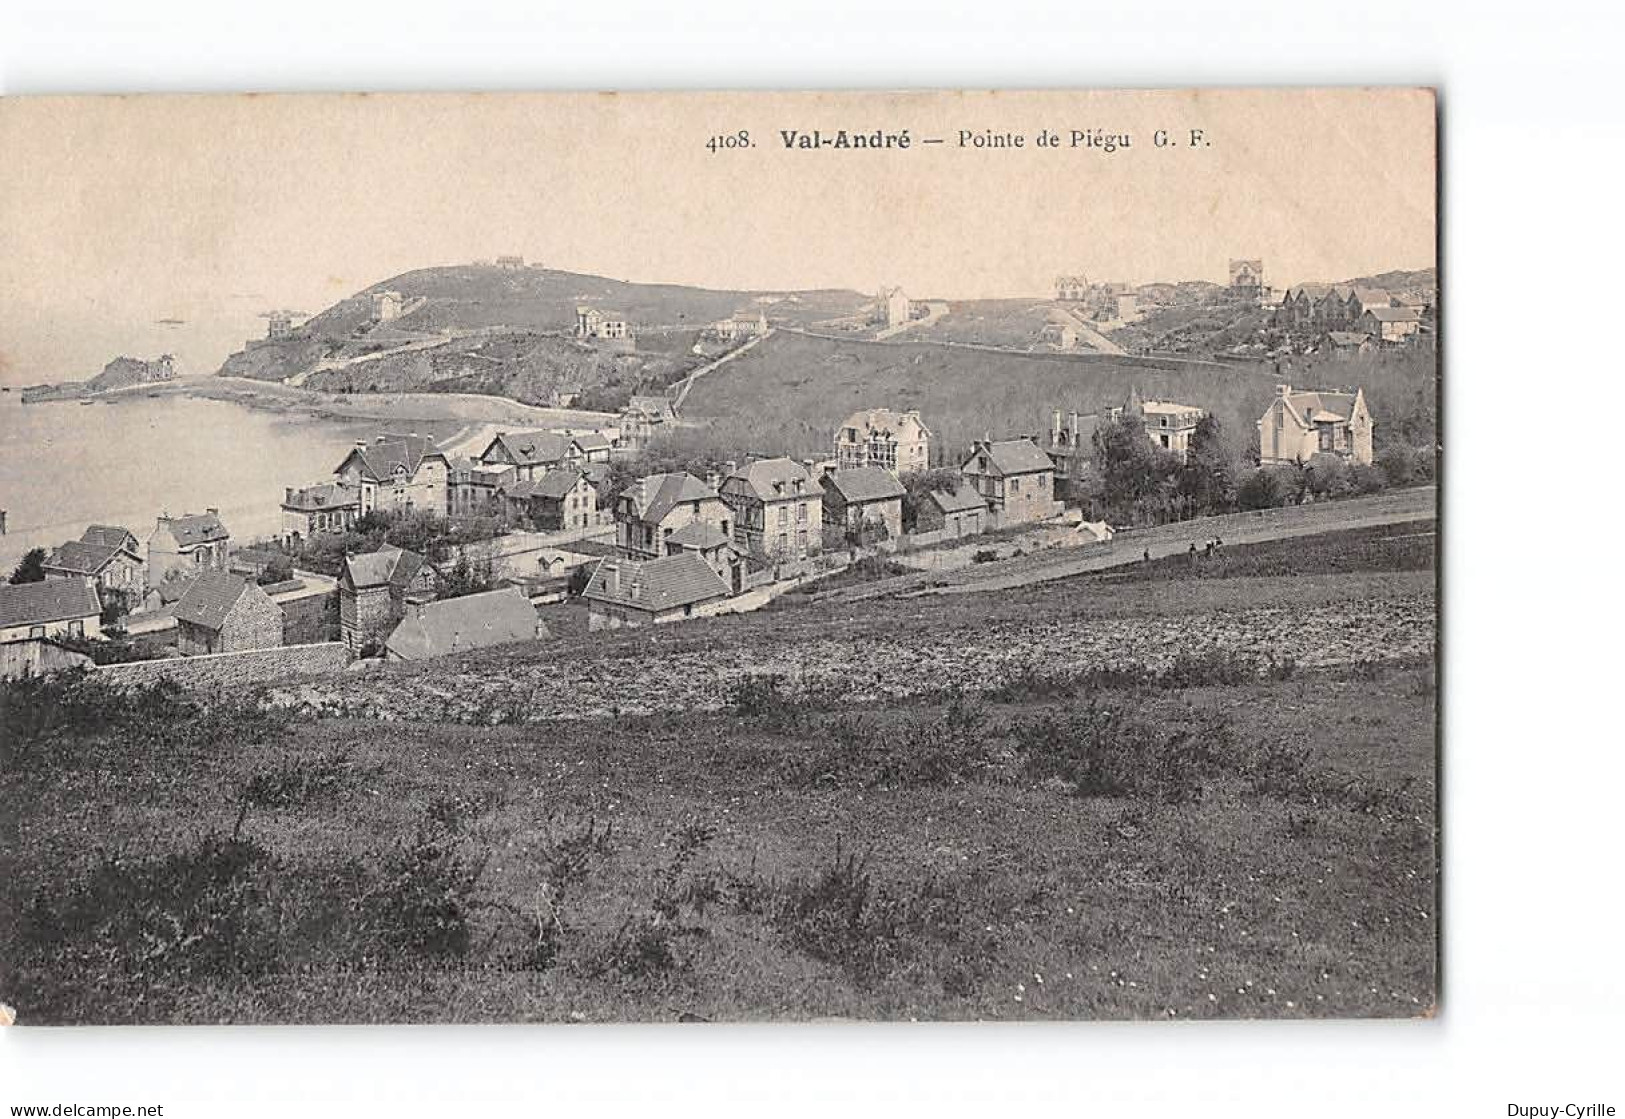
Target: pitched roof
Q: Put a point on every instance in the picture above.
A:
(654, 406)
(592, 441)
(387, 566)
(320, 498)
(1307, 404)
(866, 483)
(698, 534)
(474, 621)
(653, 497)
(555, 485)
(112, 536)
(1346, 337)
(1013, 456)
(770, 479)
(1373, 297)
(51, 600)
(194, 529)
(385, 453)
(668, 583)
(81, 558)
(962, 499)
(531, 448)
(211, 597)
(1394, 314)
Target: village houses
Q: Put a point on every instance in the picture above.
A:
(651, 509)
(740, 325)
(456, 625)
(637, 593)
(327, 507)
(1070, 447)
(777, 508)
(186, 545)
(532, 454)
(396, 473)
(895, 441)
(1014, 478)
(473, 488)
(223, 613)
(110, 556)
(862, 498)
(1300, 424)
(1170, 425)
(375, 589)
(1390, 324)
(33, 614)
(641, 420)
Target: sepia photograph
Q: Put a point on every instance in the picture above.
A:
(720, 557)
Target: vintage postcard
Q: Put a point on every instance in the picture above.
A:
(719, 557)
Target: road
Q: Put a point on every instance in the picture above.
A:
(688, 382)
(1418, 503)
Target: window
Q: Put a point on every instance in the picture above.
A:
(36, 631)
(784, 514)
(76, 628)
(1015, 486)
(801, 512)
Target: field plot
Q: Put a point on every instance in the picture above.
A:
(947, 808)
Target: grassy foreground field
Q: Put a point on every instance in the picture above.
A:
(1211, 834)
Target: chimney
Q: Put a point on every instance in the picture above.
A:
(1283, 390)
(1073, 430)
(287, 495)
(712, 480)
(1055, 428)
(212, 511)
(612, 577)
(361, 444)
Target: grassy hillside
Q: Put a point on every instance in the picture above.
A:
(1099, 839)
(792, 390)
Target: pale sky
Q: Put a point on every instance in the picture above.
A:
(118, 212)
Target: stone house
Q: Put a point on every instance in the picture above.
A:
(1300, 424)
(116, 571)
(895, 441)
(456, 625)
(557, 501)
(652, 508)
(641, 420)
(327, 507)
(397, 472)
(1170, 425)
(1070, 447)
(387, 305)
(1014, 478)
(221, 613)
(894, 306)
(532, 454)
(960, 512)
(777, 508)
(1346, 344)
(650, 592)
(473, 488)
(31, 614)
(863, 496)
(1390, 324)
(186, 545)
(740, 325)
(374, 590)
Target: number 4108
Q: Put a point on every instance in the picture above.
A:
(740, 139)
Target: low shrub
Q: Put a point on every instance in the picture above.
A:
(1101, 749)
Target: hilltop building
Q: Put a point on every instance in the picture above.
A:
(1071, 289)
(387, 305)
(397, 472)
(740, 325)
(894, 306)
(1300, 424)
(1247, 278)
(895, 441)
(186, 545)
(777, 507)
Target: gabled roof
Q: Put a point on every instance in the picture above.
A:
(592, 441)
(111, 536)
(195, 529)
(552, 486)
(474, 621)
(702, 535)
(51, 600)
(1011, 456)
(867, 483)
(1346, 337)
(652, 406)
(1340, 405)
(668, 583)
(653, 497)
(1373, 297)
(321, 498)
(389, 566)
(961, 499)
(531, 448)
(81, 558)
(1394, 314)
(211, 597)
(770, 479)
(386, 453)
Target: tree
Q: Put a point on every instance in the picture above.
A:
(1130, 474)
(1398, 464)
(279, 570)
(1328, 475)
(464, 578)
(32, 567)
(1207, 479)
(920, 484)
(1264, 488)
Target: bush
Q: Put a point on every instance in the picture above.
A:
(1264, 488)
(1398, 465)
(1106, 750)
(1328, 475)
(1366, 479)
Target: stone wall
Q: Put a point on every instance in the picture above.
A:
(232, 670)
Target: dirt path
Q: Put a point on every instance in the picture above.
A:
(1416, 504)
(688, 382)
